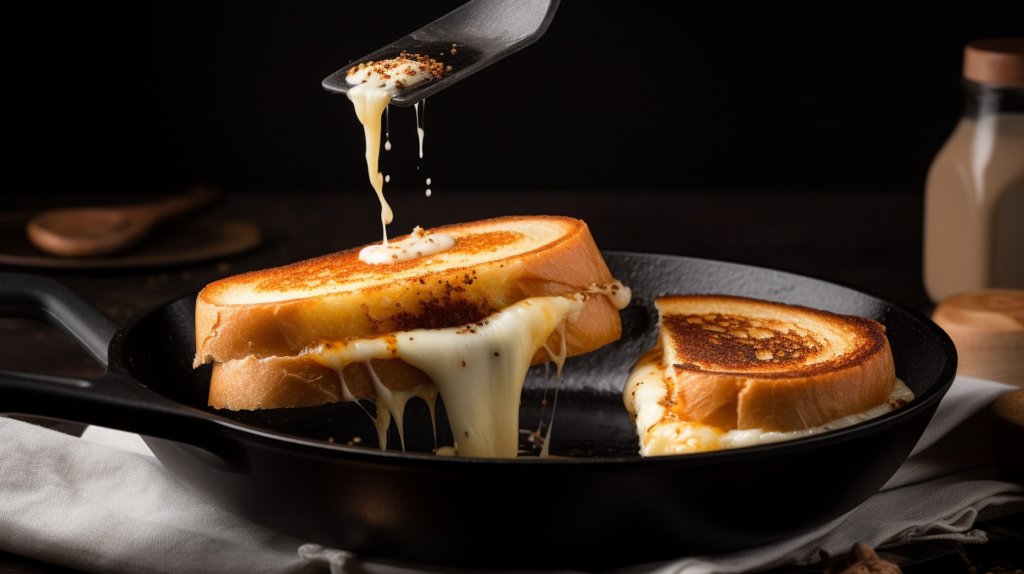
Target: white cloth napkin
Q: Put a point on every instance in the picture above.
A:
(103, 503)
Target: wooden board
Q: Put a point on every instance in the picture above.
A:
(177, 244)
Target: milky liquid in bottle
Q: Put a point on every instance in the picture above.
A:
(974, 200)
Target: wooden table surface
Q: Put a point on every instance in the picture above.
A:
(867, 240)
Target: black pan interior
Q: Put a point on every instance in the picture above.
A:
(590, 419)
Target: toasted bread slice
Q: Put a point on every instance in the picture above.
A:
(730, 363)
(494, 263)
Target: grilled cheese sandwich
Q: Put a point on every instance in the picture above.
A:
(729, 372)
(465, 322)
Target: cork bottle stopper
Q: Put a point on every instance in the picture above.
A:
(1008, 435)
(987, 328)
(996, 61)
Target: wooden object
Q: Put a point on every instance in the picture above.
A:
(193, 241)
(987, 328)
(94, 231)
(997, 61)
(1008, 435)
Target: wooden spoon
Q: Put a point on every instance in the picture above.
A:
(92, 231)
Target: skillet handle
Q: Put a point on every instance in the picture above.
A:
(114, 400)
(42, 299)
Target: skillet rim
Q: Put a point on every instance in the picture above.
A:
(932, 394)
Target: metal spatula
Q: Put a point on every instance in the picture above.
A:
(484, 31)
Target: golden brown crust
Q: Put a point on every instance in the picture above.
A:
(300, 381)
(739, 363)
(298, 304)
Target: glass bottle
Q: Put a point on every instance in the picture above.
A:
(974, 194)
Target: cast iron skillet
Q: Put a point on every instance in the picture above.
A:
(605, 506)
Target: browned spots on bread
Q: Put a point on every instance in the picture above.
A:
(763, 347)
(729, 342)
(440, 313)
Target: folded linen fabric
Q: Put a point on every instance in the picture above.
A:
(103, 504)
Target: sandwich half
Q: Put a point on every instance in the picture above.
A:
(730, 372)
(465, 321)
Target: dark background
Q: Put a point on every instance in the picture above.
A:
(155, 96)
(798, 135)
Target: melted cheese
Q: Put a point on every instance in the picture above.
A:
(417, 244)
(370, 101)
(389, 402)
(479, 369)
(615, 291)
(661, 433)
(373, 87)
(419, 124)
